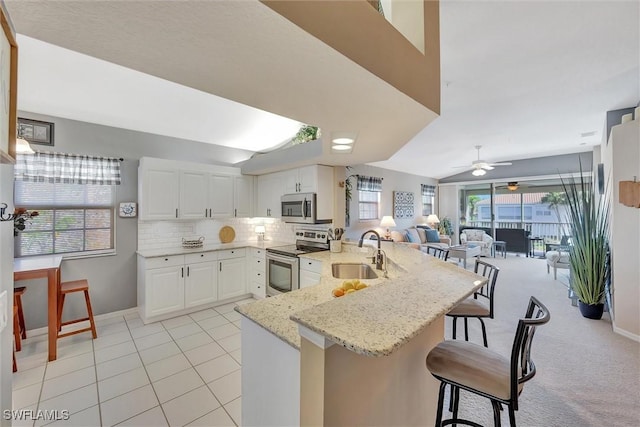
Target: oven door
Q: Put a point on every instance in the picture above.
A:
(282, 274)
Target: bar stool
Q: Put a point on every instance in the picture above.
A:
(473, 307)
(477, 369)
(67, 288)
(16, 335)
(17, 300)
(437, 252)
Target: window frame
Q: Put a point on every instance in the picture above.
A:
(366, 202)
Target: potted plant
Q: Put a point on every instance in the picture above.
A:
(588, 219)
(446, 228)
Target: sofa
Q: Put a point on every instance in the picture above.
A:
(517, 239)
(421, 237)
(478, 237)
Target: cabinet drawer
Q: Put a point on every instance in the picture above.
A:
(200, 257)
(257, 276)
(232, 253)
(258, 264)
(312, 265)
(165, 261)
(258, 252)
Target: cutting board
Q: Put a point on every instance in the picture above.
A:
(227, 234)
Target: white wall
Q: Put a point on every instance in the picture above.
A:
(6, 284)
(621, 157)
(392, 181)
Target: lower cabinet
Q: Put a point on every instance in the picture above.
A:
(201, 279)
(232, 273)
(165, 290)
(257, 272)
(310, 272)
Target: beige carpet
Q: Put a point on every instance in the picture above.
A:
(587, 375)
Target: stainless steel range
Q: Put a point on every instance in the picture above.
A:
(283, 267)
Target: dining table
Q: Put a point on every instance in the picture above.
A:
(43, 267)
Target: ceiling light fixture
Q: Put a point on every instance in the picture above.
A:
(342, 148)
(342, 140)
(478, 172)
(22, 145)
(512, 186)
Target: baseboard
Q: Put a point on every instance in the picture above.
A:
(45, 329)
(626, 334)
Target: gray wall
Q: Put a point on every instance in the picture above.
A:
(6, 284)
(539, 166)
(393, 181)
(112, 279)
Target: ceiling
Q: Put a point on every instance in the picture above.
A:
(522, 79)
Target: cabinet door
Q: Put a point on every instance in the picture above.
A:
(232, 278)
(308, 179)
(270, 190)
(308, 278)
(201, 284)
(291, 181)
(221, 196)
(164, 290)
(192, 186)
(159, 198)
(243, 196)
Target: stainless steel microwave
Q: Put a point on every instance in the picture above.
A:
(299, 208)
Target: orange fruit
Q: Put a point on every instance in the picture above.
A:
(338, 292)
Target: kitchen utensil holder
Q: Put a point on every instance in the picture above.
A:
(335, 245)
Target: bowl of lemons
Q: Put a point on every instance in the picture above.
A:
(348, 287)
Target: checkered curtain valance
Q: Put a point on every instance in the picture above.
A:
(67, 168)
(428, 190)
(369, 183)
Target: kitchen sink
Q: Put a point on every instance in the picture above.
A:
(352, 270)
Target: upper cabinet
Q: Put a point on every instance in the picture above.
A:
(309, 179)
(180, 190)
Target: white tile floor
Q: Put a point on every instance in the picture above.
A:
(182, 371)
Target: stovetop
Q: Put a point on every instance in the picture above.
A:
(307, 240)
(295, 250)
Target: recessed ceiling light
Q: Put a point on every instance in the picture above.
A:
(342, 147)
(343, 140)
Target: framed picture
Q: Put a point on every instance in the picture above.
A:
(403, 204)
(8, 88)
(35, 131)
(128, 210)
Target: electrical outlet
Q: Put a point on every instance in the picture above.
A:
(4, 315)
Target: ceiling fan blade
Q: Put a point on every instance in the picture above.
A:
(501, 164)
(487, 167)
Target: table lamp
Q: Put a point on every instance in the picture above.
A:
(432, 220)
(387, 221)
(260, 230)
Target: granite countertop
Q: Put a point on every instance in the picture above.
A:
(150, 253)
(374, 321)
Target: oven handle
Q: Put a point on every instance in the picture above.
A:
(282, 258)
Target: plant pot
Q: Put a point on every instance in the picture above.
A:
(591, 311)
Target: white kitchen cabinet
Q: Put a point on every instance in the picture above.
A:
(270, 189)
(312, 179)
(163, 286)
(232, 273)
(220, 196)
(243, 196)
(310, 272)
(193, 184)
(257, 271)
(201, 279)
(159, 193)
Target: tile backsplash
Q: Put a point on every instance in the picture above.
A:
(169, 234)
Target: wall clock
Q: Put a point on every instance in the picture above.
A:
(128, 209)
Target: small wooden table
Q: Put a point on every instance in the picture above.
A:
(43, 267)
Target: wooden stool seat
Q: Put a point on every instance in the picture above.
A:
(67, 288)
(17, 300)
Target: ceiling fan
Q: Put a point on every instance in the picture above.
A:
(481, 166)
(511, 186)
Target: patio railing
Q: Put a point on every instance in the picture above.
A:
(550, 231)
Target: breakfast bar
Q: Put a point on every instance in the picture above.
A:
(354, 360)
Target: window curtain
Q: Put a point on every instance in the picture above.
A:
(369, 183)
(67, 169)
(428, 190)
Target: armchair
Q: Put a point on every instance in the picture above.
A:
(557, 259)
(477, 237)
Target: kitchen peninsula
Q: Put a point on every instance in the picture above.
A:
(311, 359)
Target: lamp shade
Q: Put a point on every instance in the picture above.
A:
(432, 219)
(22, 146)
(387, 221)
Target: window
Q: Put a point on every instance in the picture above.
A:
(369, 189)
(369, 203)
(74, 196)
(73, 218)
(428, 193)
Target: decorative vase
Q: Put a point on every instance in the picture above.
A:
(591, 311)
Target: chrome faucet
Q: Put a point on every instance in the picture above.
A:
(378, 258)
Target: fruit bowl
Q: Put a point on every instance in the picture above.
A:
(348, 287)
